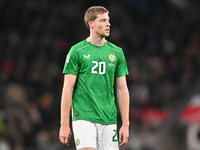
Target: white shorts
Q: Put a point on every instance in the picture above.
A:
(95, 135)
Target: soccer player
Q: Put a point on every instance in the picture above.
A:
(95, 74)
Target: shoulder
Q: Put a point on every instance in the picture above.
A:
(81, 45)
(114, 47)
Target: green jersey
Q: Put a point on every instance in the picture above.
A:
(96, 68)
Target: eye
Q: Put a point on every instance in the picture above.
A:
(103, 20)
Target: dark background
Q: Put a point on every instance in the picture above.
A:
(160, 40)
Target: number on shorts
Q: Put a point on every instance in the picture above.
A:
(114, 139)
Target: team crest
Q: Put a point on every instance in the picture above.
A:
(77, 142)
(112, 58)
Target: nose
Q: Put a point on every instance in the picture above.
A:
(108, 24)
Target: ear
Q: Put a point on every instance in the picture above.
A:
(90, 23)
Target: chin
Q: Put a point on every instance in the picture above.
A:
(104, 34)
(107, 35)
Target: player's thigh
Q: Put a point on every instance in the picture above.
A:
(109, 140)
(85, 135)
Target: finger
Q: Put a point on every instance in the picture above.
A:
(69, 139)
(120, 138)
(125, 140)
(67, 144)
(121, 144)
(61, 139)
(64, 140)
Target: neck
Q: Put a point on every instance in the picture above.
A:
(98, 41)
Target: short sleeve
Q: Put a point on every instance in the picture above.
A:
(122, 69)
(71, 63)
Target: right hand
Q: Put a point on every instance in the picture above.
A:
(65, 135)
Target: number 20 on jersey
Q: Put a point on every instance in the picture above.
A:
(101, 65)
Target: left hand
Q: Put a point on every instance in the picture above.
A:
(123, 135)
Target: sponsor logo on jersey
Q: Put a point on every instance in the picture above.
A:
(112, 58)
(67, 59)
(87, 57)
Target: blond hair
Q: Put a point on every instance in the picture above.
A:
(92, 12)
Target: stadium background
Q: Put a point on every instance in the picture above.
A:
(161, 42)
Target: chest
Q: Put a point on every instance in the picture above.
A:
(97, 62)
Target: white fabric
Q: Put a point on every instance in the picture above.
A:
(95, 135)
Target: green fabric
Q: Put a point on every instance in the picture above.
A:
(96, 68)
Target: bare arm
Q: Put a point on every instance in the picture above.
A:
(123, 102)
(65, 131)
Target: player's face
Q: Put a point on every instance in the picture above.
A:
(101, 25)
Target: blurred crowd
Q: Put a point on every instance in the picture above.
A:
(161, 42)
